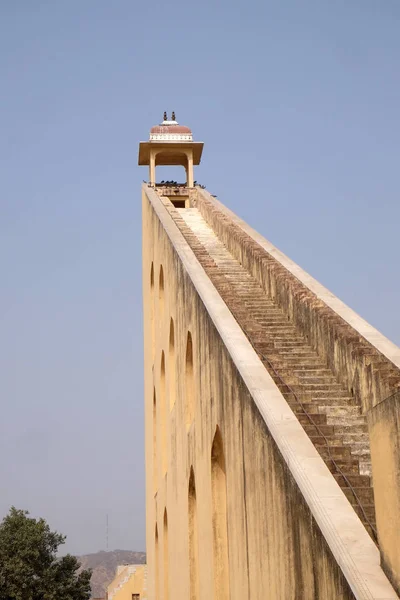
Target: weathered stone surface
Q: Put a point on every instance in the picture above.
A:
(384, 422)
(291, 531)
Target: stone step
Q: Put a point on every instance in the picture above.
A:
(285, 331)
(341, 411)
(281, 362)
(270, 312)
(288, 343)
(296, 353)
(292, 393)
(303, 380)
(334, 452)
(286, 328)
(327, 377)
(280, 337)
(358, 481)
(345, 420)
(268, 347)
(367, 509)
(317, 419)
(370, 531)
(312, 430)
(256, 300)
(349, 466)
(316, 371)
(294, 361)
(272, 347)
(300, 350)
(324, 385)
(334, 395)
(266, 318)
(351, 429)
(332, 401)
(298, 404)
(360, 449)
(365, 467)
(334, 440)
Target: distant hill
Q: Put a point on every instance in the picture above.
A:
(104, 565)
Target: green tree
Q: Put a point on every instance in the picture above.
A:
(29, 567)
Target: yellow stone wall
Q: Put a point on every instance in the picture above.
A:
(385, 439)
(225, 518)
(360, 355)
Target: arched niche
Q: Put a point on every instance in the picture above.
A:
(193, 539)
(219, 519)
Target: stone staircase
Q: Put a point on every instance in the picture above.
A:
(330, 416)
(125, 575)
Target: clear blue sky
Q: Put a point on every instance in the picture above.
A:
(298, 106)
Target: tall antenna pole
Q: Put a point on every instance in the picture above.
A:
(107, 532)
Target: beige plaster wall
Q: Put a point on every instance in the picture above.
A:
(275, 548)
(384, 425)
(363, 359)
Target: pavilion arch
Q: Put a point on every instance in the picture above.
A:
(171, 175)
(163, 419)
(189, 381)
(171, 364)
(193, 539)
(166, 556)
(174, 157)
(219, 519)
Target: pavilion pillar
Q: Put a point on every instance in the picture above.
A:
(189, 170)
(152, 169)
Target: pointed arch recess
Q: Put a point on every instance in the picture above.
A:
(154, 440)
(219, 519)
(163, 420)
(193, 539)
(152, 316)
(189, 381)
(152, 276)
(161, 291)
(166, 557)
(171, 364)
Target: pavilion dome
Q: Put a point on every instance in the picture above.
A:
(170, 131)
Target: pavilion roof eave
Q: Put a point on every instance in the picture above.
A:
(144, 149)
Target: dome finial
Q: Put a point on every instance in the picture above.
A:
(165, 115)
(173, 116)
